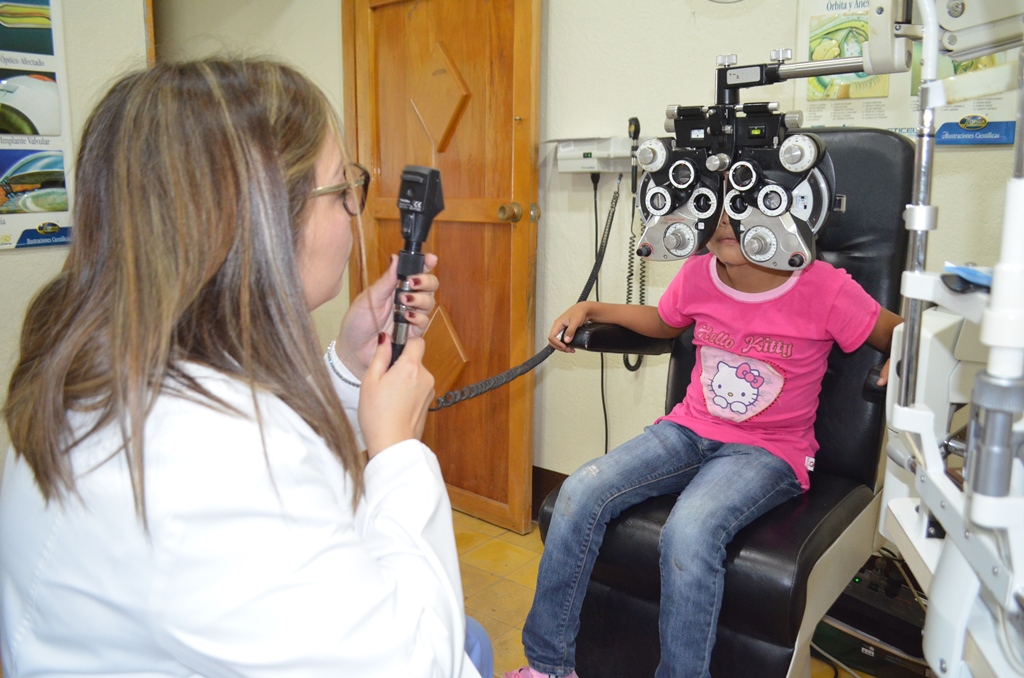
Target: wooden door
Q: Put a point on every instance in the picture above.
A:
(453, 84)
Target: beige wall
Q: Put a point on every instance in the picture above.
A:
(303, 33)
(602, 62)
(102, 38)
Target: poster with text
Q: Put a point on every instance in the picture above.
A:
(35, 150)
(830, 29)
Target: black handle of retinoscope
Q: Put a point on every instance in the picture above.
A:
(410, 263)
(420, 199)
(634, 134)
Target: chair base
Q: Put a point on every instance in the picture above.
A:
(830, 577)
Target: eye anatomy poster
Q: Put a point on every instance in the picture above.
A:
(831, 29)
(35, 149)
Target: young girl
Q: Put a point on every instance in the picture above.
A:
(740, 443)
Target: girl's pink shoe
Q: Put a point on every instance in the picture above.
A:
(527, 672)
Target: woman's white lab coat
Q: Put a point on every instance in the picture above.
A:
(255, 563)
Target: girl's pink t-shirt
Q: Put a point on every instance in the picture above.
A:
(761, 357)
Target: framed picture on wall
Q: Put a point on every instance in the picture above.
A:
(35, 142)
(829, 29)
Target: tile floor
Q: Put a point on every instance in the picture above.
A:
(499, 574)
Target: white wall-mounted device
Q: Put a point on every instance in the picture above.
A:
(608, 154)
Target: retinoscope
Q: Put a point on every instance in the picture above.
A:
(420, 199)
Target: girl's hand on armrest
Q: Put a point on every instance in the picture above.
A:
(565, 326)
(883, 378)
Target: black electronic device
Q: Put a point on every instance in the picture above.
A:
(875, 625)
(420, 199)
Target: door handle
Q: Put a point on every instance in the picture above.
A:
(511, 212)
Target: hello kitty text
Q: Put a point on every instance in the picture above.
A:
(766, 345)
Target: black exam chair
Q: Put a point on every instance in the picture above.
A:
(787, 568)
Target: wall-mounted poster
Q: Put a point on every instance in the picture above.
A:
(35, 143)
(830, 29)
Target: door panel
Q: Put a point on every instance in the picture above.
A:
(453, 85)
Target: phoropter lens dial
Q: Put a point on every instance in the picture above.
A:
(799, 153)
(682, 174)
(773, 200)
(680, 240)
(658, 201)
(759, 244)
(743, 175)
(652, 155)
(703, 202)
(735, 205)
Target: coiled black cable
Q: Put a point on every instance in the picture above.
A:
(491, 383)
(633, 367)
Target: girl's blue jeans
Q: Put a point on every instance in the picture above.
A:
(723, 487)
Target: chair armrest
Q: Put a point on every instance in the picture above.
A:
(873, 393)
(608, 338)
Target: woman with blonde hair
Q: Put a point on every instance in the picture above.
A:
(185, 493)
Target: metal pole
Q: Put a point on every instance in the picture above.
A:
(924, 156)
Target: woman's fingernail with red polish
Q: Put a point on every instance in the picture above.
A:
(380, 338)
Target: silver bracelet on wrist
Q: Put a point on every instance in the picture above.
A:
(334, 368)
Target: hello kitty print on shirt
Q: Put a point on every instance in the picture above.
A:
(737, 388)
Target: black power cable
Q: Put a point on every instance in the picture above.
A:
(481, 387)
(595, 178)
